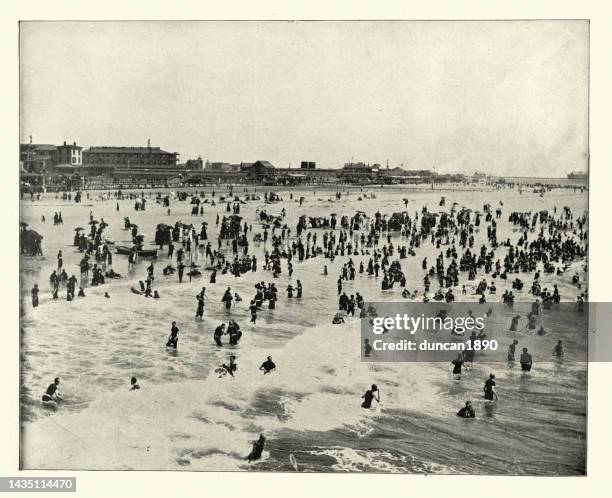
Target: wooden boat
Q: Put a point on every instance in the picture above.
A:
(143, 253)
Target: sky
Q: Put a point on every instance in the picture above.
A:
(508, 98)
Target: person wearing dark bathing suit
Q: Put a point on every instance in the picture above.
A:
(558, 351)
(370, 395)
(200, 309)
(467, 411)
(35, 296)
(258, 447)
(367, 348)
(512, 349)
(234, 332)
(173, 339)
(232, 367)
(52, 394)
(526, 361)
(267, 366)
(219, 331)
(489, 388)
(457, 364)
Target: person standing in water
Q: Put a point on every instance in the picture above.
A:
(512, 349)
(457, 364)
(258, 447)
(253, 309)
(489, 388)
(200, 309)
(35, 296)
(173, 339)
(367, 348)
(227, 298)
(219, 331)
(299, 289)
(372, 394)
(134, 384)
(558, 351)
(526, 361)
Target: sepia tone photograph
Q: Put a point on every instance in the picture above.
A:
(210, 211)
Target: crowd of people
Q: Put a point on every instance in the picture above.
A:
(374, 245)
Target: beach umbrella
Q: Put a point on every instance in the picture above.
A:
(93, 222)
(78, 228)
(133, 225)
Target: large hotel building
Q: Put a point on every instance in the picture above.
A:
(126, 156)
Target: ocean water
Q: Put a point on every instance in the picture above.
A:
(187, 418)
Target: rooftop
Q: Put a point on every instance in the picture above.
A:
(40, 147)
(127, 150)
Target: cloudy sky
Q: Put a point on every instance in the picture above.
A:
(503, 97)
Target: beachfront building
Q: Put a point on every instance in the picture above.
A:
(481, 179)
(358, 173)
(578, 175)
(258, 172)
(70, 154)
(399, 175)
(130, 156)
(221, 166)
(35, 157)
(194, 163)
(549, 181)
